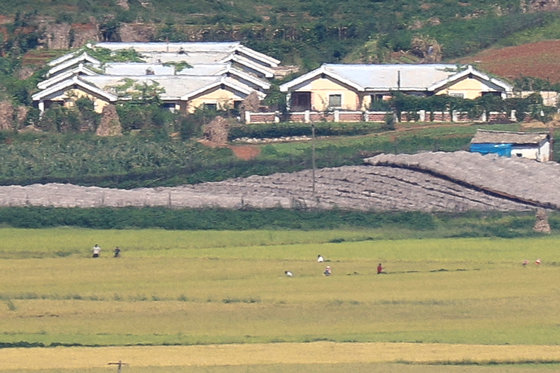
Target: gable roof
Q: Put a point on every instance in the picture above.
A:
(216, 69)
(224, 82)
(69, 83)
(184, 47)
(226, 69)
(243, 61)
(84, 57)
(187, 49)
(394, 77)
(79, 70)
(137, 68)
(175, 87)
(471, 71)
(505, 137)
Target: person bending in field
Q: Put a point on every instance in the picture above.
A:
(328, 271)
(96, 251)
(116, 252)
(289, 273)
(380, 269)
(320, 258)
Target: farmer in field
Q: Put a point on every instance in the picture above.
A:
(380, 269)
(320, 258)
(116, 252)
(96, 251)
(328, 271)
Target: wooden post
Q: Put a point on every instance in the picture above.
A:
(119, 365)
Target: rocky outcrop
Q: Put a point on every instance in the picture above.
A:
(133, 32)
(65, 36)
(6, 116)
(544, 5)
(216, 131)
(110, 124)
(541, 222)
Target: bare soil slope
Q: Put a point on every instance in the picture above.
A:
(452, 182)
(539, 60)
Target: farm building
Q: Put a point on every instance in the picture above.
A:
(357, 86)
(532, 145)
(185, 76)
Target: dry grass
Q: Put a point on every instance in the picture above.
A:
(280, 353)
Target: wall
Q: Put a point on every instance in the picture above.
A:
(321, 88)
(469, 88)
(541, 153)
(223, 97)
(69, 97)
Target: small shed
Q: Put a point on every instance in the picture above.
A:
(532, 145)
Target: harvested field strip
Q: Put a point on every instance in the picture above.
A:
(281, 353)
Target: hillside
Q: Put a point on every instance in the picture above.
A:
(538, 60)
(302, 33)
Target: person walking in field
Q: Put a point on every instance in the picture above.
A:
(96, 251)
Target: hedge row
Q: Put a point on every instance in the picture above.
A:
(473, 224)
(276, 130)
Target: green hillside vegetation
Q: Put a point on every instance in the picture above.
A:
(304, 33)
(155, 159)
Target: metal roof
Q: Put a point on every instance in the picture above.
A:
(68, 83)
(153, 49)
(505, 137)
(175, 87)
(385, 78)
(392, 77)
(137, 68)
(187, 47)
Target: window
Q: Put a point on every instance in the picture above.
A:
(378, 103)
(210, 106)
(335, 101)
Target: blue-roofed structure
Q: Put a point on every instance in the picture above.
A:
(532, 145)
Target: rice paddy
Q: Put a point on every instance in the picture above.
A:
(220, 301)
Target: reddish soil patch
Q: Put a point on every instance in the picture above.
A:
(245, 152)
(539, 60)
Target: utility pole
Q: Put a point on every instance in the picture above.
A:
(313, 156)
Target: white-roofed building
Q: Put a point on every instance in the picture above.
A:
(355, 87)
(216, 75)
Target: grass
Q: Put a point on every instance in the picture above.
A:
(226, 288)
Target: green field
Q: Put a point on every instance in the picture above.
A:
(201, 288)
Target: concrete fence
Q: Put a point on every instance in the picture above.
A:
(373, 116)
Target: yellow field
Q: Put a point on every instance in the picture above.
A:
(262, 354)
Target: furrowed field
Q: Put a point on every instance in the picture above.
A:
(216, 301)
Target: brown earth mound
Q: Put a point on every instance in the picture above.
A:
(446, 182)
